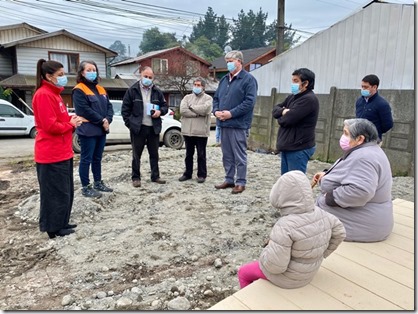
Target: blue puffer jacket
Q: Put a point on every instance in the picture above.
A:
(238, 97)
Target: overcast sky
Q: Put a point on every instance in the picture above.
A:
(105, 21)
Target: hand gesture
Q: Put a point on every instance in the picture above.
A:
(156, 114)
(316, 178)
(105, 124)
(76, 121)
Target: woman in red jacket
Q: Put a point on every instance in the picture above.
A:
(53, 149)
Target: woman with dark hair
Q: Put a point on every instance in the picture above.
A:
(297, 116)
(357, 188)
(53, 149)
(92, 103)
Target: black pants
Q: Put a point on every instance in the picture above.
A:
(200, 144)
(147, 137)
(56, 186)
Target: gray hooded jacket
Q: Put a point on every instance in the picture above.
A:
(302, 237)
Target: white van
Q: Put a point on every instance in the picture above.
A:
(14, 122)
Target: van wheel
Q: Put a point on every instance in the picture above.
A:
(76, 143)
(33, 132)
(173, 139)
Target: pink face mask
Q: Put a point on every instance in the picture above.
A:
(345, 142)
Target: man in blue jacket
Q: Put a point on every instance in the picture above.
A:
(373, 107)
(233, 106)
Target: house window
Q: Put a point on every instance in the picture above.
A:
(254, 66)
(192, 68)
(160, 66)
(69, 60)
(174, 100)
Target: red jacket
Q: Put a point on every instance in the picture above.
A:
(53, 143)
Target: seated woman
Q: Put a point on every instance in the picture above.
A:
(357, 188)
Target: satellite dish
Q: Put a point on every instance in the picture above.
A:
(227, 49)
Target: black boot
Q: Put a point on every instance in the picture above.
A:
(70, 226)
(60, 233)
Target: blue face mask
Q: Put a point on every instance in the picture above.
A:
(146, 81)
(61, 81)
(91, 76)
(294, 88)
(365, 93)
(231, 66)
(197, 90)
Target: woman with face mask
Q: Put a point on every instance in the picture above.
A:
(53, 149)
(357, 187)
(92, 103)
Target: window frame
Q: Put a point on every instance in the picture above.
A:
(71, 63)
(159, 66)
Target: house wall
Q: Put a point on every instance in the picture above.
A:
(335, 107)
(131, 68)
(27, 57)
(379, 39)
(6, 66)
(261, 61)
(176, 64)
(14, 34)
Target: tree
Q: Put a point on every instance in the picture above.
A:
(205, 49)
(6, 94)
(215, 29)
(289, 36)
(120, 48)
(154, 40)
(222, 32)
(249, 30)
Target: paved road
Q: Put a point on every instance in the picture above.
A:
(21, 148)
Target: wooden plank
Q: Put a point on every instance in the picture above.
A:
(318, 299)
(401, 242)
(368, 279)
(404, 203)
(404, 231)
(392, 253)
(349, 292)
(231, 303)
(261, 296)
(403, 220)
(403, 210)
(360, 254)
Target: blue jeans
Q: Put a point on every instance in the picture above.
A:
(91, 154)
(296, 160)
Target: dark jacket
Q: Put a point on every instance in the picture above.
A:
(92, 103)
(297, 126)
(238, 97)
(376, 110)
(133, 108)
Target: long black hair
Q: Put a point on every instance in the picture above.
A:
(43, 68)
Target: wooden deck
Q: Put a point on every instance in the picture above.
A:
(357, 276)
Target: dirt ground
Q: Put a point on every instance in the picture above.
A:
(174, 246)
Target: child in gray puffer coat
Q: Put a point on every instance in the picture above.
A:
(302, 237)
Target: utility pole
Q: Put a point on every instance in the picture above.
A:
(280, 27)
